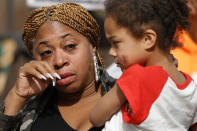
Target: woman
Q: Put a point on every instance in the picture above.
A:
(59, 88)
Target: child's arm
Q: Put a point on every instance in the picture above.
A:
(109, 104)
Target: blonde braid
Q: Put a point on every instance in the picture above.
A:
(70, 14)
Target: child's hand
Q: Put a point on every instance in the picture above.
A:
(128, 108)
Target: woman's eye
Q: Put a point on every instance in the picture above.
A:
(70, 47)
(45, 53)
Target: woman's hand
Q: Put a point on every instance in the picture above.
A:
(33, 78)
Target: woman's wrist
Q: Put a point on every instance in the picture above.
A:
(14, 103)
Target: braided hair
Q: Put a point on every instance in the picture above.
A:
(70, 14)
(165, 17)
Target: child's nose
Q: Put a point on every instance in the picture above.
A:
(112, 52)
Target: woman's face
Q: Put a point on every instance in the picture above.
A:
(68, 52)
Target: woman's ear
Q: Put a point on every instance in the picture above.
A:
(150, 38)
(92, 48)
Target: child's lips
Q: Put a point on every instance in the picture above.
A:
(67, 78)
(118, 65)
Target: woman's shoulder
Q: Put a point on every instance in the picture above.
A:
(106, 80)
(24, 118)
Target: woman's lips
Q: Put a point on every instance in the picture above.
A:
(67, 78)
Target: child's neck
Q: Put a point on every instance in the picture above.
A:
(160, 58)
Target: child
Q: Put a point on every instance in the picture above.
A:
(151, 93)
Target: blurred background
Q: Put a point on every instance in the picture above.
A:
(13, 53)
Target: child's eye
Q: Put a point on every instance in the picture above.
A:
(115, 42)
(70, 47)
(45, 53)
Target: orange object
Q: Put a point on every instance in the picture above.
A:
(187, 54)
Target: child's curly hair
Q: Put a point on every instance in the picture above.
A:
(165, 17)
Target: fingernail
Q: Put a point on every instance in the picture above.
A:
(43, 77)
(54, 82)
(50, 76)
(57, 75)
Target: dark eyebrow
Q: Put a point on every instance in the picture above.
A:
(66, 35)
(46, 42)
(43, 43)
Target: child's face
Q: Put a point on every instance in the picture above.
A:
(125, 48)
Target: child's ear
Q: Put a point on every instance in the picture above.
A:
(150, 37)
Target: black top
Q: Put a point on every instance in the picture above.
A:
(51, 120)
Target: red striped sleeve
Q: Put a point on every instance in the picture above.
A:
(141, 86)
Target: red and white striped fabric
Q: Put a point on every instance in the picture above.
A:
(156, 101)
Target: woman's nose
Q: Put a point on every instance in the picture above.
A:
(61, 59)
